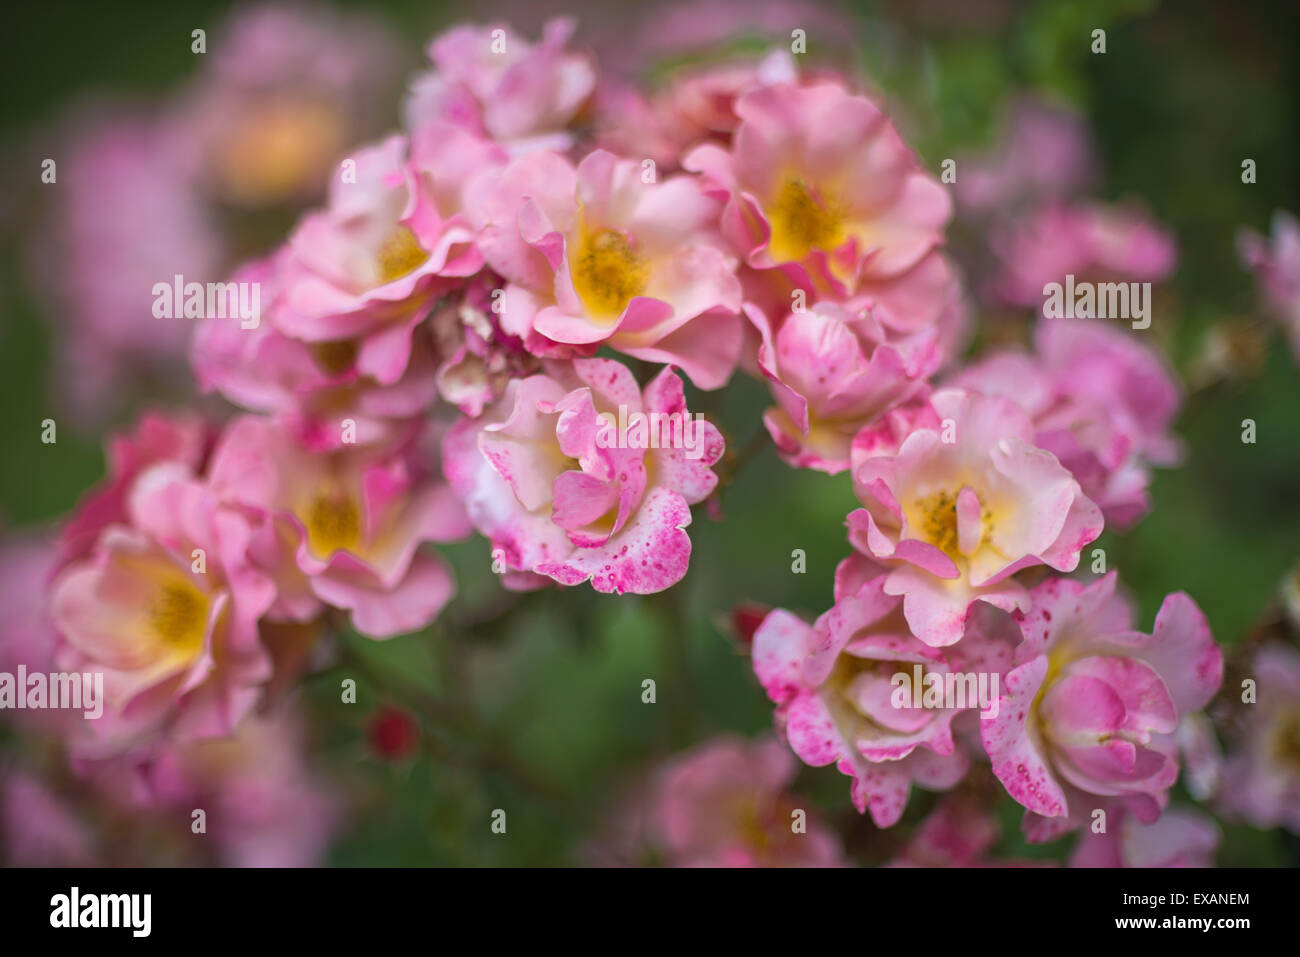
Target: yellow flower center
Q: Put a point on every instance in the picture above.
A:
(803, 219)
(335, 357)
(333, 524)
(400, 255)
(1286, 740)
(178, 616)
(608, 272)
(938, 521)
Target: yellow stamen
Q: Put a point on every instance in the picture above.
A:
(179, 615)
(333, 524)
(400, 255)
(938, 524)
(803, 219)
(608, 272)
(335, 357)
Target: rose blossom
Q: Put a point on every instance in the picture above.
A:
(960, 505)
(1090, 710)
(562, 494)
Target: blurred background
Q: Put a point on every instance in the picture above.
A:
(533, 703)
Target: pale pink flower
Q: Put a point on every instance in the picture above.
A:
(1261, 776)
(833, 371)
(28, 639)
(838, 699)
(366, 270)
(1094, 242)
(166, 605)
(1182, 837)
(499, 86)
(819, 184)
(724, 803)
(476, 358)
(180, 439)
(1101, 401)
(38, 828)
(342, 528)
(1045, 152)
(1090, 710)
(579, 475)
(283, 90)
(959, 832)
(599, 256)
(264, 805)
(964, 502)
(1275, 262)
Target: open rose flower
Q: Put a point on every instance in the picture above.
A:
(961, 504)
(499, 86)
(837, 697)
(365, 270)
(1091, 708)
(723, 804)
(342, 528)
(819, 184)
(578, 475)
(166, 606)
(1101, 402)
(598, 256)
(832, 372)
(1261, 778)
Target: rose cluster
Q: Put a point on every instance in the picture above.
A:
(490, 326)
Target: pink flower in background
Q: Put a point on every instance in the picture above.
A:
(166, 606)
(265, 807)
(1261, 776)
(723, 804)
(1182, 837)
(27, 561)
(1091, 707)
(833, 684)
(819, 184)
(964, 502)
(283, 90)
(497, 85)
(579, 475)
(599, 256)
(959, 832)
(39, 828)
(126, 218)
(833, 371)
(696, 106)
(1045, 152)
(1091, 241)
(1101, 401)
(342, 528)
(1275, 261)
